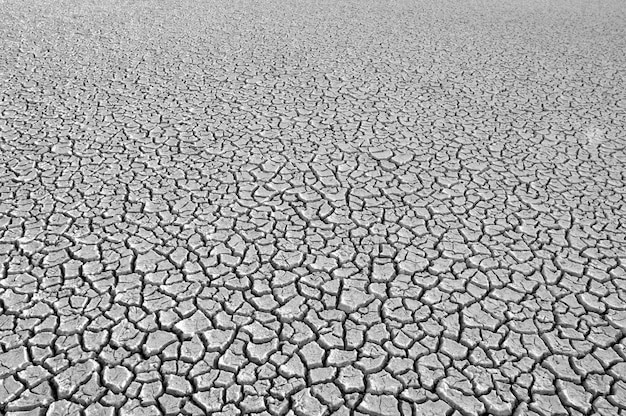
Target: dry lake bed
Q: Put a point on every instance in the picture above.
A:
(313, 208)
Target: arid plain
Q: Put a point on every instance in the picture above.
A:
(313, 208)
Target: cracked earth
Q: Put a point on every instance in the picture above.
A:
(312, 208)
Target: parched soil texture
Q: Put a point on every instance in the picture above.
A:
(313, 208)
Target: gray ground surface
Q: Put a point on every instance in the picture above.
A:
(312, 208)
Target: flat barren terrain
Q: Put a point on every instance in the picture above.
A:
(313, 208)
